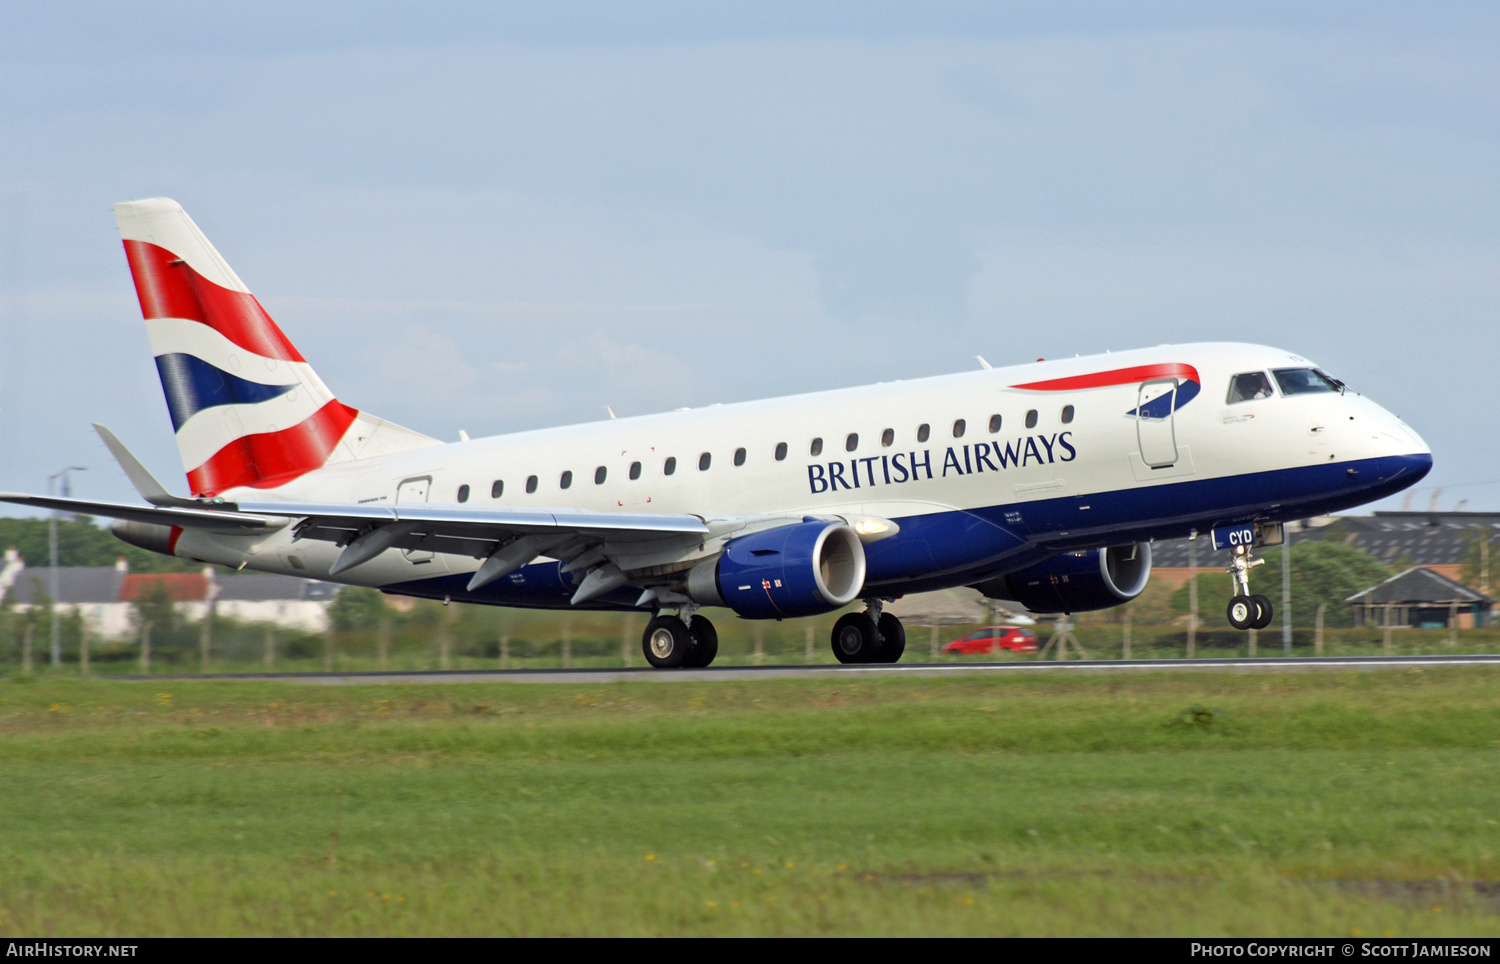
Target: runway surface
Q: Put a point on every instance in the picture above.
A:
(742, 673)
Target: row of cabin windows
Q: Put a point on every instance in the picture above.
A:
(924, 432)
(669, 467)
(565, 481)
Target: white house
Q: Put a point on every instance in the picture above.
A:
(105, 595)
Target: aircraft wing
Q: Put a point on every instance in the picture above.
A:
(460, 522)
(605, 543)
(219, 520)
(505, 538)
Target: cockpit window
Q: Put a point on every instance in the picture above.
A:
(1306, 381)
(1249, 386)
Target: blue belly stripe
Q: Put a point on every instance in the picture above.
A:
(959, 548)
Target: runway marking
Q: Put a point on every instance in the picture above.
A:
(739, 673)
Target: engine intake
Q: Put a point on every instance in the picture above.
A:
(1077, 582)
(796, 570)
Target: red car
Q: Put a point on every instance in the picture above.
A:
(992, 639)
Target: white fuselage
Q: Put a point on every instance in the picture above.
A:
(1040, 480)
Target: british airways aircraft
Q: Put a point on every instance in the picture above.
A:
(1043, 484)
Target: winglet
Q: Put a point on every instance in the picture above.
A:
(145, 483)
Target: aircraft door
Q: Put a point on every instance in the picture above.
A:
(415, 491)
(1154, 422)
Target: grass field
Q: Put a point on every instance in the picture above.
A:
(1191, 804)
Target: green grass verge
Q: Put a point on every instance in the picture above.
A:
(1166, 804)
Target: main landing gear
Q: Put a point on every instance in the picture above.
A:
(686, 640)
(872, 636)
(1246, 611)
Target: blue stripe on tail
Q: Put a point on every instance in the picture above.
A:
(192, 384)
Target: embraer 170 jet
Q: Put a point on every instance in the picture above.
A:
(1043, 484)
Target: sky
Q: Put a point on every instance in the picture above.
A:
(493, 217)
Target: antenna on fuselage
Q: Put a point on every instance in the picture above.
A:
(982, 363)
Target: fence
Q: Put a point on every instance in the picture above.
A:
(431, 636)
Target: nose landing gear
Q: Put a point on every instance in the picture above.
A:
(1246, 611)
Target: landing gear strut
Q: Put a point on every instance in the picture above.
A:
(873, 636)
(1246, 611)
(686, 640)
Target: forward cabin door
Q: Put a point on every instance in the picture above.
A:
(414, 491)
(1154, 422)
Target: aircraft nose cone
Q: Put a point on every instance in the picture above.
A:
(1406, 436)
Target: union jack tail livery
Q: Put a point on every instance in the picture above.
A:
(247, 408)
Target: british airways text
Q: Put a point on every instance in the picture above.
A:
(957, 459)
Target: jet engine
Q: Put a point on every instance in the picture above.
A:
(1076, 582)
(796, 570)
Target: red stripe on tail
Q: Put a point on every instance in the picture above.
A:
(270, 459)
(169, 288)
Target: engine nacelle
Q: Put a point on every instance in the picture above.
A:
(1077, 582)
(797, 570)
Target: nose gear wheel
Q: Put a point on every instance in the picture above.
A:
(1246, 611)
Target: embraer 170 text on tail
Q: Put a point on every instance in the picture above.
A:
(1043, 484)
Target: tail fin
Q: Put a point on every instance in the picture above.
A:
(247, 408)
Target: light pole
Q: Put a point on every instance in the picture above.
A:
(1286, 588)
(52, 554)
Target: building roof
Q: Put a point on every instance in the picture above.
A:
(109, 584)
(1424, 538)
(75, 584)
(266, 587)
(1418, 586)
(184, 586)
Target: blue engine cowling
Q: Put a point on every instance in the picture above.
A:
(1077, 582)
(796, 570)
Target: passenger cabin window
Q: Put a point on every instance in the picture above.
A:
(958, 429)
(704, 461)
(669, 466)
(463, 493)
(1248, 387)
(739, 456)
(635, 471)
(780, 451)
(599, 475)
(1305, 381)
(817, 447)
(1031, 419)
(852, 442)
(888, 438)
(994, 424)
(530, 484)
(923, 431)
(566, 480)
(497, 489)
(1067, 415)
